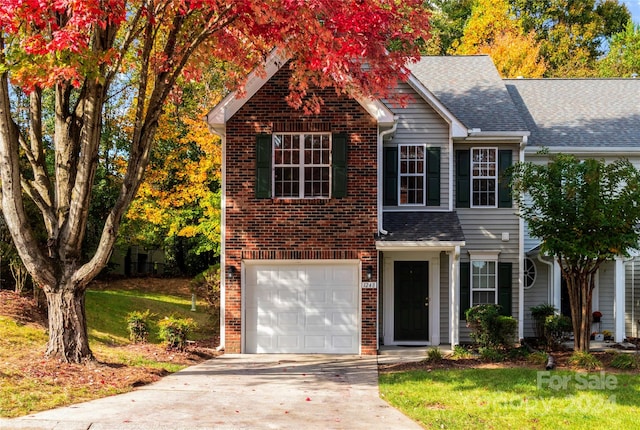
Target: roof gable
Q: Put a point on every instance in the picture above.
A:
(223, 111)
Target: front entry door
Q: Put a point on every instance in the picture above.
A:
(411, 301)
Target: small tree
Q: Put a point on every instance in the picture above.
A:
(585, 212)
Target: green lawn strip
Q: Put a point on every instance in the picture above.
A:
(107, 312)
(23, 391)
(514, 398)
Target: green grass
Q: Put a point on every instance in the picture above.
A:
(107, 312)
(515, 398)
(27, 385)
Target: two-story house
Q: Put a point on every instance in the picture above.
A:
(372, 224)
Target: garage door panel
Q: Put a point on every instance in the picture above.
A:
(302, 309)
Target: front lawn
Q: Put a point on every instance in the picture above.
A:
(514, 398)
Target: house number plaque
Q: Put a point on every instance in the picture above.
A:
(369, 285)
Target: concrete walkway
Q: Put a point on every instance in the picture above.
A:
(241, 392)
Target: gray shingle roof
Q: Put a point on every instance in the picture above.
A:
(471, 88)
(579, 112)
(422, 226)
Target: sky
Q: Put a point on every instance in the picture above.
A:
(634, 8)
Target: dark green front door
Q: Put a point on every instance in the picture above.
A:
(411, 301)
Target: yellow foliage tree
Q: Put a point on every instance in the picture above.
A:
(492, 30)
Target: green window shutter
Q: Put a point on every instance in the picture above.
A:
(339, 166)
(390, 181)
(433, 176)
(504, 288)
(465, 288)
(504, 186)
(463, 178)
(263, 166)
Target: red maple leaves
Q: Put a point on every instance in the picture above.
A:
(359, 45)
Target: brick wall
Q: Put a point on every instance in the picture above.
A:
(292, 228)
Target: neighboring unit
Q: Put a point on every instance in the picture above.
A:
(372, 224)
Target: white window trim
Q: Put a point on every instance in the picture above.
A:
(423, 174)
(301, 165)
(495, 178)
(486, 256)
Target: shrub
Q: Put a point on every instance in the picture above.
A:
(460, 351)
(138, 325)
(491, 354)
(625, 361)
(554, 328)
(539, 314)
(538, 357)
(175, 331)
(584, 360)
(518, 353)
(434, 355)
(490, 329)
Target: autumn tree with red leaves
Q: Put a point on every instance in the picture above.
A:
(80, 52)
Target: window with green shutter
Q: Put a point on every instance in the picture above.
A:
(463, 178)
(263, 166)
(481, 179)
(301, 165)
(486, 282)
(505, 161)
(411, 175)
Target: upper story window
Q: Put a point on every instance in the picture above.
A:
(481, 178)
(411, 175)
(484, 177)
(301, 165)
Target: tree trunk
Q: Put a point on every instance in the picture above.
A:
(580, 287)
(68, 338)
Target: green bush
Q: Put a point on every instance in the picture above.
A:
(625, 361)
(460, 351)
(554, 328)
(490, 329)
(491, 354)
(175, 331)
(584, 360)
(538, 357)
(138, 325)
(539, 314)
(434, 355)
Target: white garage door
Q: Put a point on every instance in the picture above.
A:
(302, 308)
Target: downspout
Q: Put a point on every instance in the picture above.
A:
(454, 300)
(380, 169)
(223, 233)
(634, 325)
(619, 305)
(381, 137)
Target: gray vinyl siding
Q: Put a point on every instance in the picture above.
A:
(483, 228)
(606, 296)
(419, 123)
(536, 295)
(632, 298)
(444, 297)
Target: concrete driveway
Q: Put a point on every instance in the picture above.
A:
(241, 392)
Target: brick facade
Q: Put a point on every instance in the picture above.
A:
(309, 229)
